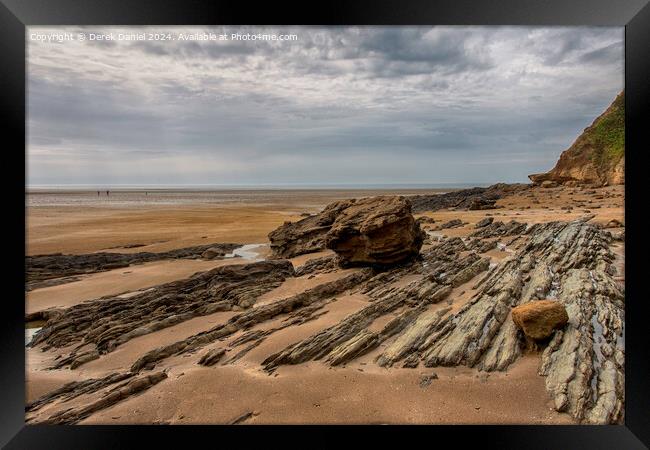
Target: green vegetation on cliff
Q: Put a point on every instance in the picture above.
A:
(597, 156)
(607, 135)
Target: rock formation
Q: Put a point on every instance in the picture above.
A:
(376, 230)
(132, 387)
(41, 268)
(108, 322)
(307, 235)
(471, 199)
(309, 301)
(597, 156)
(567, 261)
(450, 306)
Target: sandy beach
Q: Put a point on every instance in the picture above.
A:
(312, 392)
(80, 222)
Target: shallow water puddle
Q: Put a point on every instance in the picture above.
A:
(30, 333)
(249, 252)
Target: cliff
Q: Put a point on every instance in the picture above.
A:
(598, 155)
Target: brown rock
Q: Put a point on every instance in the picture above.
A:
(425, 219)
(480, 203)
(376, 230)
(538, 319)
(614, 223)
(213, 252)
(307, 235)
(484, 222)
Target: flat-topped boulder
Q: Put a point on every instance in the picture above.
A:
(375, 230)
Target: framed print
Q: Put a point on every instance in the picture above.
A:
(413, 214)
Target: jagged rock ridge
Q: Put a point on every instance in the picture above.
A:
(108, 322)
(472, 199)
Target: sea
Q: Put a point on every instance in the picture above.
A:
(135, 195)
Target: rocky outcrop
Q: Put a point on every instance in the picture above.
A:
(318, 265)
(484, 222)
(350, 338)
(108, 322)
(211, 357)
(454, 223)
(539, 319)
(376, 230)
(307, 235)
(119, 393)
(567, 262)
(597, 156)
(40, 268)
(472, 199)
(310, 300)
(74, 389)
(500, 229)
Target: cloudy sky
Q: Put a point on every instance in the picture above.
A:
(338, 105)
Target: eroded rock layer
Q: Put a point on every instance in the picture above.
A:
(470, 199)
(110, 397)
(110, 321)
(47, 267)
(570, 262)
(294, 306)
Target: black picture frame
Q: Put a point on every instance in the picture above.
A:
(15, 15)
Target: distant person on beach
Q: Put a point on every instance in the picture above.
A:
(107, 193)
(97, 193)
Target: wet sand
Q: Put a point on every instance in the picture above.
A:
(312, 392)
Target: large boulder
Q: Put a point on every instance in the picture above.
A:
(539, 319)
(375, 230)
(307, 235)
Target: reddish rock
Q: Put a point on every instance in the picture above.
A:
(538, 319)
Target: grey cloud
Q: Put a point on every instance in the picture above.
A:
(342, 104)
(611, 53)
